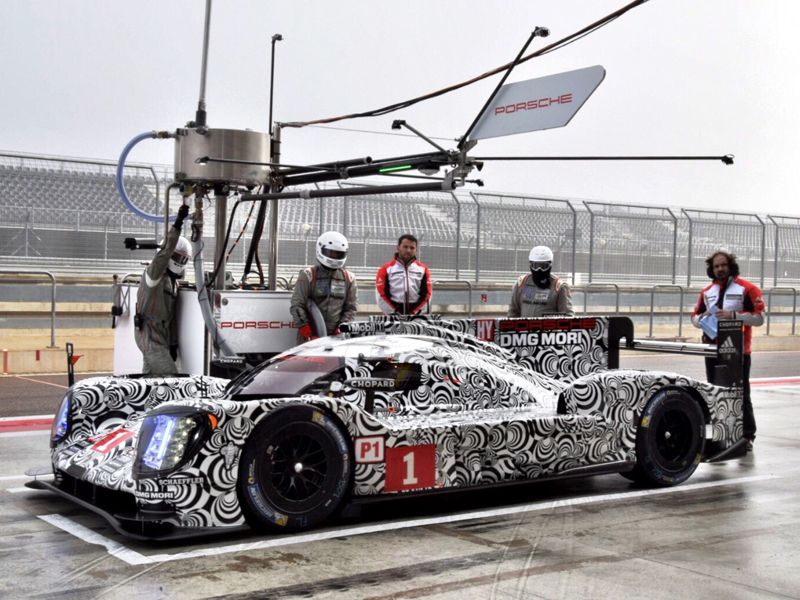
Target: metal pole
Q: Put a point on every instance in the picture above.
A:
(345, 215)
(591, 240)
(574, 239)
(200, 116)
(458, 232)
(763, 247)
(478, 242)
(777, 247)
(539, 31)
(275, 156)
(275, 38)
(689, 251)
(220, 223)
(674, 245)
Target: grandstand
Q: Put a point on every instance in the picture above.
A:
(63, 210)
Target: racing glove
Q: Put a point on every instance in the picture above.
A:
(306, 333)
(182, 212)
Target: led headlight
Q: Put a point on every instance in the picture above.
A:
(168, 438)
(60, 427)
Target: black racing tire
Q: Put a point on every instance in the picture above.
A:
(296, 469)
(670, 439)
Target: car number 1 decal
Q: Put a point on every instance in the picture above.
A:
(410, 468)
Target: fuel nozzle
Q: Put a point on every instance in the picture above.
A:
(197, 219)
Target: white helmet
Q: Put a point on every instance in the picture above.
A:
(541, 258)
(332, 249)
(180, 256)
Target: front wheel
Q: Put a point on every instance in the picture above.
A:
(670, 440)
(295, 470)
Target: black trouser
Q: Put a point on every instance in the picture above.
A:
(748, 417)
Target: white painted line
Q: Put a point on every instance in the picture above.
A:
(19, 490)
(135, 558)
(26, 417)
(58, 385)
(87, 535)
(40, 432)
(12, 477)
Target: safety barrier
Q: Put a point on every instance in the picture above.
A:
(652, 307)
(52, 298)
(794, 305)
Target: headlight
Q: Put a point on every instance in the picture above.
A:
(60, 427)
(168, 438)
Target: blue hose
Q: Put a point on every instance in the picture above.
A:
(121, 184)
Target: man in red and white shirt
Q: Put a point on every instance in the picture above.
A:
(403, 285)
(732, 297)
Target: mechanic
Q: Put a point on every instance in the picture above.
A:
(329, 285)
(732, 297)
(540, 293)
(156, 330)
(403, 285)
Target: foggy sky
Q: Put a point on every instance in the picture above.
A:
(82, 77)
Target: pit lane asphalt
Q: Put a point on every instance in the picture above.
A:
(730, 531)
(22, 395)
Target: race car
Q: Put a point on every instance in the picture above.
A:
(389, 407)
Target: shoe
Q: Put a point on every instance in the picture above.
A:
(749, 446)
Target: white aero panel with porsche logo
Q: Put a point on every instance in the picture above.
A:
(256, 321)
(251, 321)
(535, 104)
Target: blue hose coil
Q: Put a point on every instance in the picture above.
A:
(121, 184)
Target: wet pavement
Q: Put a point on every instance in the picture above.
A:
(730, 531)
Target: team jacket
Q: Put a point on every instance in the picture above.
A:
(335, 292)
(741, 297)
(157, 298)
(401, 288)
(529, 300)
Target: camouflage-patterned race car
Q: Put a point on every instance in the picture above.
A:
(389, 407)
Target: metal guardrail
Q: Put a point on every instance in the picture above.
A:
(589, 287)
(652, 306)
(458, 283)
(794, 304)
(52, 298)
(470, 287)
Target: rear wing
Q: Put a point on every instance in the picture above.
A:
(561, 347)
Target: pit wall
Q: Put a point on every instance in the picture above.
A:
(28, 352)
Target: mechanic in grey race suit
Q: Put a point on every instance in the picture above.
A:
(329, 285)
(156, 326)
(540, 293)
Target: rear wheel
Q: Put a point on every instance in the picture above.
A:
(295, 470)
(669, 441)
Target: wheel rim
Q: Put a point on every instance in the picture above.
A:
(674, 439)
(297, 469)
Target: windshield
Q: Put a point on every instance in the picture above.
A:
(285, 376)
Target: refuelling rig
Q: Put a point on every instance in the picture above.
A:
(223, 326)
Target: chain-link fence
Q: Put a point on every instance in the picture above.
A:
(60, 209)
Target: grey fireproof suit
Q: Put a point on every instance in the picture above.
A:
(334, 291)
(155, 305)
(529, 300)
